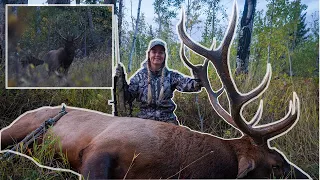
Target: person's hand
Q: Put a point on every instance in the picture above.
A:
(119, 71)
(197, 79)
(195, 74)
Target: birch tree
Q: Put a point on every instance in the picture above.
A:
(120, 15)
(134, 38)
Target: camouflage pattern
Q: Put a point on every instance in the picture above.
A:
(160, 110)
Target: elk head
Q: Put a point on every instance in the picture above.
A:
(256, 159)
(70, 43)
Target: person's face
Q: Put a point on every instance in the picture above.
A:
(157, 56)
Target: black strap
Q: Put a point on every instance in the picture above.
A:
(30, 138)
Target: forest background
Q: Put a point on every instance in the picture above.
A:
(281, 35)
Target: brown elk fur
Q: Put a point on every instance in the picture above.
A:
(31, 60)
(102, 146)
(59, 59)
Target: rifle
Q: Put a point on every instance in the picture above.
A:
(30, 138)
(115, 81)
(120, 85)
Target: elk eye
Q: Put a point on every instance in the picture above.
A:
(275, 167)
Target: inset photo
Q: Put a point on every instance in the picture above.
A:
(58, 47)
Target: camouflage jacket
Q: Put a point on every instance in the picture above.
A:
(160, 110)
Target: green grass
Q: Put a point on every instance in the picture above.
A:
(20, 167)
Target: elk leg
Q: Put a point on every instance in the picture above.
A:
(96, 165)
(66, 72)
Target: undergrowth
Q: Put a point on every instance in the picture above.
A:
(300, 144)
(19, 167)
(92, 71)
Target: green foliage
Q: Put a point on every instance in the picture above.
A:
(166, 10)
(283, 28)
(305, 59)
(215, 17)
(41, 23)
(20, 167)
(288, 15)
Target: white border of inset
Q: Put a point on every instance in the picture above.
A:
(35, 5)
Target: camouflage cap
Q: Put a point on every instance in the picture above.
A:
(157, 42)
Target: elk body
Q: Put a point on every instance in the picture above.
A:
(60, 60)
(31, 60)
(103, 146)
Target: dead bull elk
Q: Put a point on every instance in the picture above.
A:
(103, 146)
(60, 60)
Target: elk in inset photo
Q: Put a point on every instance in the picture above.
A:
(59, 46)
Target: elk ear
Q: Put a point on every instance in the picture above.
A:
(245, 165)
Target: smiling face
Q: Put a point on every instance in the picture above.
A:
(157, 56)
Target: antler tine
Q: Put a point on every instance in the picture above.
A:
(270, 130)
(256, 118)
(186, 61)
(202, 74)
(61, 35)
(219, 58)
(79, 35)
(224, 70)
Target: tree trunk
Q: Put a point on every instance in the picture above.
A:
(134, 38)
(91, 28)
(77, 1)
(160, 20)
(108, 1)
(38, 19)
(2, 24)
(120, 15)
(131, 15)
(243, 51)
(17, 1)
(2, 32)
(58, 1)
(290, 61)
(270, 33)
(213, 6)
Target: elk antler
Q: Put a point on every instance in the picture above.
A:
(202, 74)
(79, 35)
(61, 35)
(237, 100)
(73, 39)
